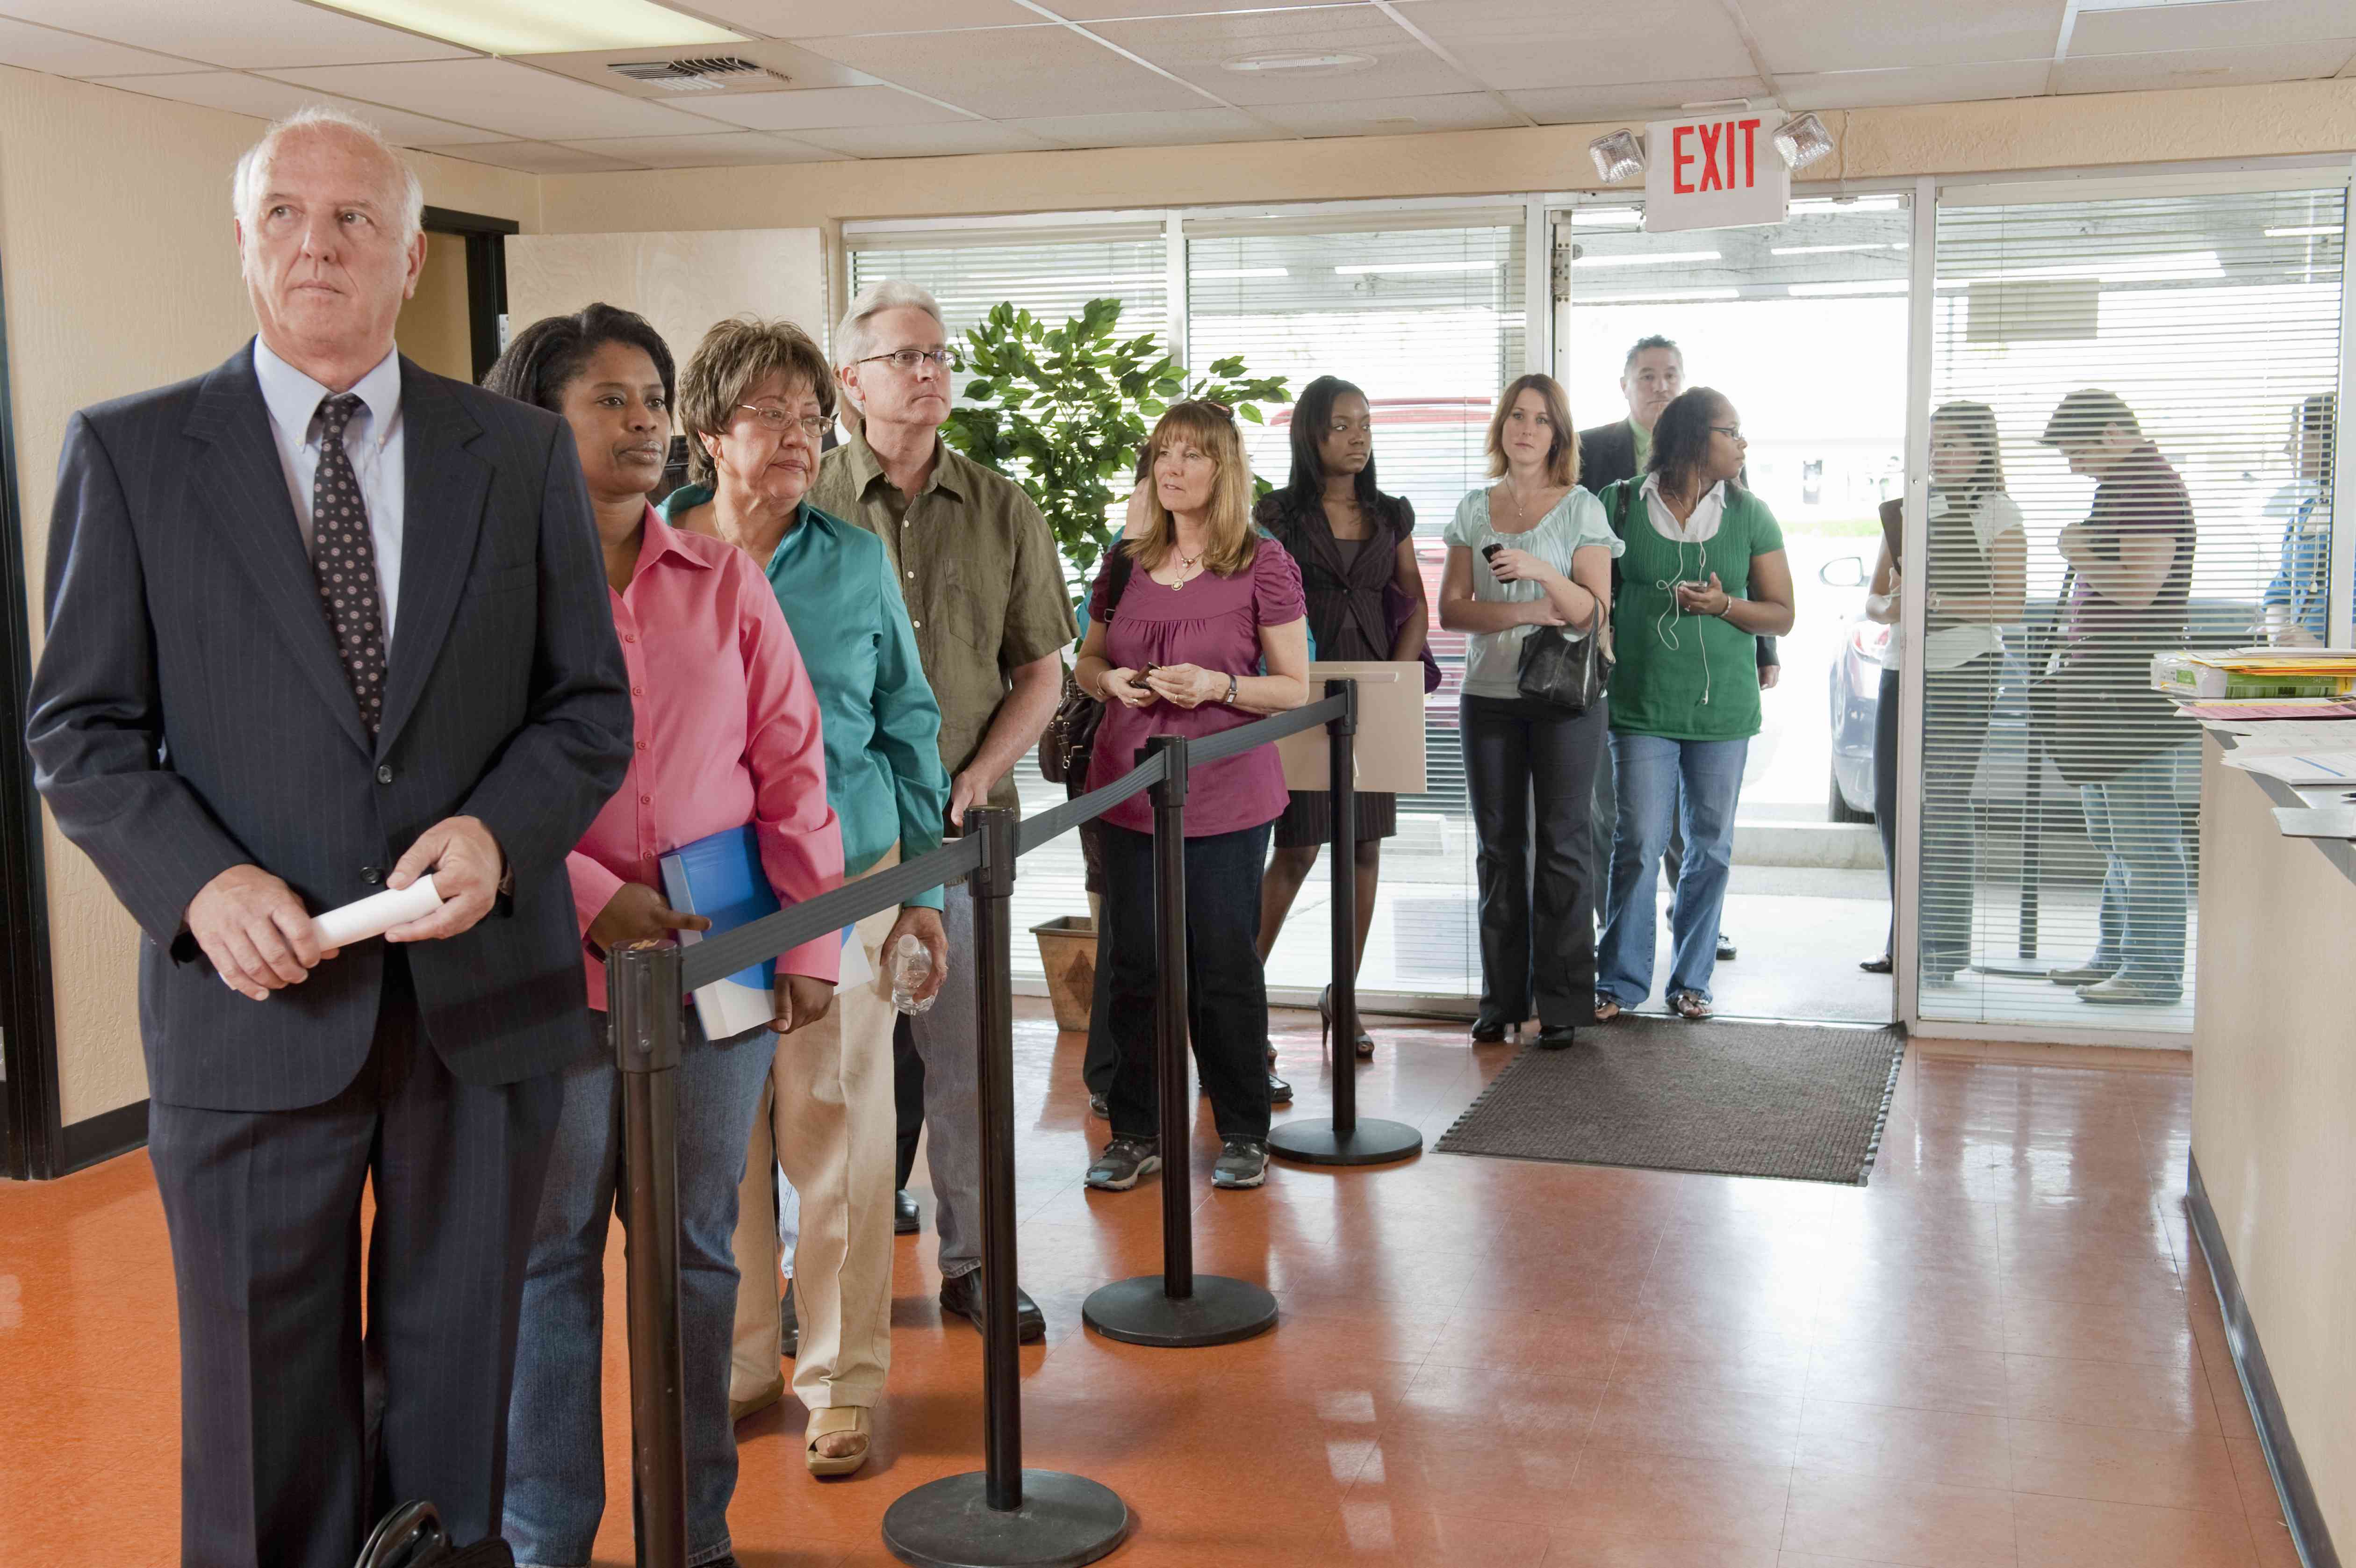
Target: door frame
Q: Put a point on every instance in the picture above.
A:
(486, 274)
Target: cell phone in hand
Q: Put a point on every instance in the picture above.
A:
(1489, 551)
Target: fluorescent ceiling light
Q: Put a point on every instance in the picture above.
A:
(1821, 250)
(542, 26)
(1887, 285)
(1605, 218)
(1244, 273)
(1298, 62)
(1660, 258)
(1657, 299)
(2304, 232)
(1415, 267)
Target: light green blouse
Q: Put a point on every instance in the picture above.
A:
(1493, 659)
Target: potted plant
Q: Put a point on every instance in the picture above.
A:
(1062, 410)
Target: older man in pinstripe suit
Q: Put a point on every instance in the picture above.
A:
(321, 622)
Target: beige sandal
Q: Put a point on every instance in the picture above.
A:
(837, 1421)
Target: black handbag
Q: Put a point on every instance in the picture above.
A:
(1570, 673)
(1065, 749)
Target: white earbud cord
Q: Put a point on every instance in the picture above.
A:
(1664, 629)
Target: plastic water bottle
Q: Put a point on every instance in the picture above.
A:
(912, 965)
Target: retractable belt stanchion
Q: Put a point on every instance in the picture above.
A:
(1344, 1140)
(1179, 1307)
(648, 1015)
(1003, 1516)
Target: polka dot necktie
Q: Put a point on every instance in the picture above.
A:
(343, 558)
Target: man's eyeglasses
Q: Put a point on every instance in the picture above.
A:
(774, 418)
(907, 359)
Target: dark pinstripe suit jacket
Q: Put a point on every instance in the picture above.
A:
(189, 716)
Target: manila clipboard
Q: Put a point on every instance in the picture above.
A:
(1388, 756)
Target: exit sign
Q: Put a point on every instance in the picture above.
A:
(1718, 171)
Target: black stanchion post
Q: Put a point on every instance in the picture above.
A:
(646, 1014)
(1181, 1308)
(1343, 1140)
(1002, 1516)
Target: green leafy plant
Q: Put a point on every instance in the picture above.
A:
(1063, 410)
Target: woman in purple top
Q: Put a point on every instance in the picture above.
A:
(1181, 624)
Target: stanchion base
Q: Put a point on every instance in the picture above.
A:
(1064, 1520)
(1220, 1312)
(1314, 1143)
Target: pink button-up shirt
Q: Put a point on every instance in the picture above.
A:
(727, 729)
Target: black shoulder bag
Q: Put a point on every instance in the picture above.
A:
(1570, 673)
(1071, 738)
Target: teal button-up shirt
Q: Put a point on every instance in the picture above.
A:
(883, 773)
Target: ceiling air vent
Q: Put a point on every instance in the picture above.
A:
(702, 73)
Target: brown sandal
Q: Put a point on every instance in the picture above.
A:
(1688, 1005)
(848, 1420)
(1607, 1007)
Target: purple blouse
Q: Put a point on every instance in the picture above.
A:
(1213, 622)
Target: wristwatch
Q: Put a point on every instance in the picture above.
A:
(1230, 697)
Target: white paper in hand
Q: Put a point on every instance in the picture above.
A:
(375, 914)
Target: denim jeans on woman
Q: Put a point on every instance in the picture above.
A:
(2134, 819)
(1693, 783)
(556, 1451)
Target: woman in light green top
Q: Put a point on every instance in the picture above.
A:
(1531, 550)
(1703, 579)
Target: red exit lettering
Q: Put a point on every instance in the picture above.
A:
(1728, 159)
(1679, 160)
(1711, 178)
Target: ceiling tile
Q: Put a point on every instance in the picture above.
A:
(503, 96)
(2199, 67)
(2230, 24)
(826, 106)
(1197, 48)
(1918, 84)
(267, 100)
(1543, 43)
(1392, 116)
(35, 47)
(1629, 100)
(1006, 73)
(536, 157)
(1167, 128)
(927, 141)
(725, 149)
(1811, 36)
(250, 34)
(1108, 10)
(825, 19)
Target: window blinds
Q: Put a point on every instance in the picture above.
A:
(2059, 803)
(1050, 273)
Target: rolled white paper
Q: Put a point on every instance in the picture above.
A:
(377, 914)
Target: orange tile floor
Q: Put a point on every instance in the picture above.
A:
(2003, 1350)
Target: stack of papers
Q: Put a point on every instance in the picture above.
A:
(2300, 769)
(2256, 673)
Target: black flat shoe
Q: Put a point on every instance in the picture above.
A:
(1487, 1030)
(789, 1325)
(1877, 966)
(962, 1295)
(906, 1221)
(1278, 1091)
(1557, 1037)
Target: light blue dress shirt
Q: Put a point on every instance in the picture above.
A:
(372, 442)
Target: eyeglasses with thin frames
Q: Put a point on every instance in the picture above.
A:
(773, 418)
(907, 359)
(1733, 430)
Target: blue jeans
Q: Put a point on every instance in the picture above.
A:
(556, 1453)
(1650, 770)
(2135, 821)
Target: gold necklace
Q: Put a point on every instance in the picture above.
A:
(1185, 564)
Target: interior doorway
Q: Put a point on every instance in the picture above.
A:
(456, 324)
(1802, 325)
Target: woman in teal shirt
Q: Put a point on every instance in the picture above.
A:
(756, 403)
(1703, 579)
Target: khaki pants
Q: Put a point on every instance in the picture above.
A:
(826, 1122)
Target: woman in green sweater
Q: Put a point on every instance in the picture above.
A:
(1704, 577)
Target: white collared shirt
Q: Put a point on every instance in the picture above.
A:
(1698, 529)
(372, 442)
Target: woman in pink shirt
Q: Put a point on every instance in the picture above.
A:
(727, 734)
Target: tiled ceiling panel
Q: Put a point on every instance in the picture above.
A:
(2231, 23)
(501, 96)
(1547, 44)
(536, 157)
(266, 100)
(832, 18)
(251, 34)
(927, 141)
(1008, 73)
(1199, 47)
(2200, 67)
(1812, 35)
(1628, 100)
(729, 148)
(826, 106)
(1392, 116)
(1111, 10)
(1918, 84)
(1167, 128)
(31, 47)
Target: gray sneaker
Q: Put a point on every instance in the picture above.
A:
(1125, 1160)
(1243, 1162)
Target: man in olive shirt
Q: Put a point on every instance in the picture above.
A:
(986, 594)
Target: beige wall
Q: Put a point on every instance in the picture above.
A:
(436, 328)
(121, 273)
(2273, 1068)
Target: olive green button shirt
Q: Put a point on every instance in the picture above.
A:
(980, 571)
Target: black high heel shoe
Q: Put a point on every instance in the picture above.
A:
(1365, 1043)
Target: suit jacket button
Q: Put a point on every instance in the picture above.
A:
(384, 774)
(372, 876)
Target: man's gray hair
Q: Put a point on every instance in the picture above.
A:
(854, 337)
(246, 185)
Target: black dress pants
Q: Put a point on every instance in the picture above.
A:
(1529, 767)
(295, 1433)
(1227, 989)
